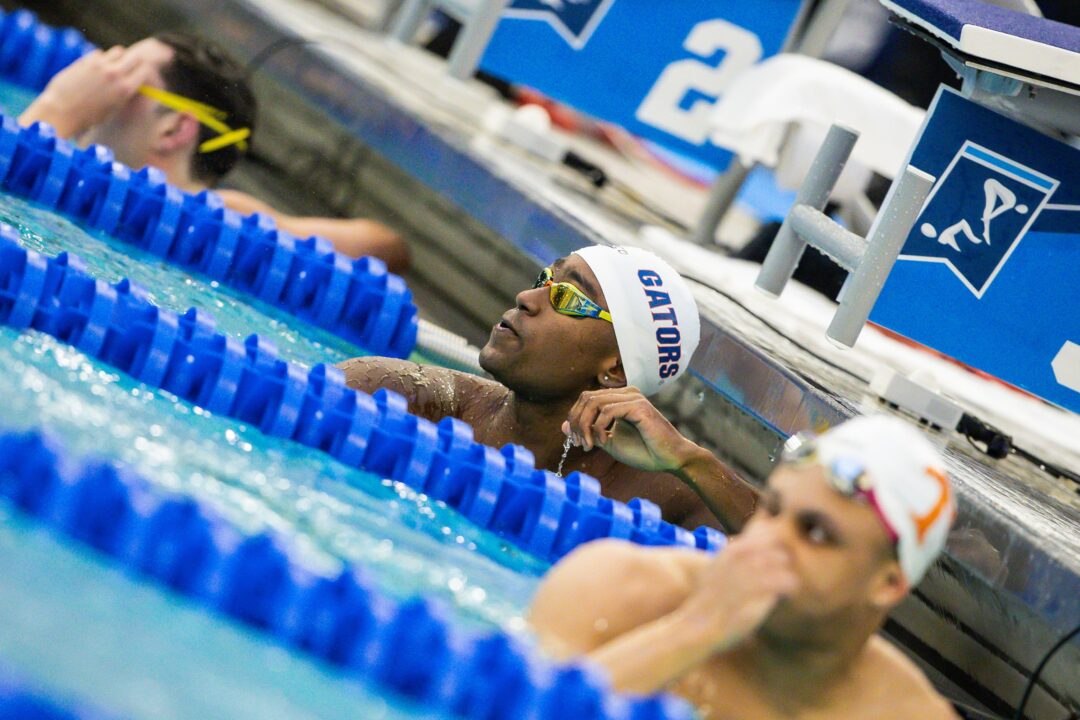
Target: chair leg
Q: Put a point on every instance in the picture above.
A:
(721, 195)
(788, 248)
(407, 19)
(470, 45)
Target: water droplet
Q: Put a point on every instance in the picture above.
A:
(565, 451)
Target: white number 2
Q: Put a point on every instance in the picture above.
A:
(662, 106)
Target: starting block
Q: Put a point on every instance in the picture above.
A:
(979, 259)
(990, 272)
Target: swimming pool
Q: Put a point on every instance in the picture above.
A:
(408, 543)
(324, 517)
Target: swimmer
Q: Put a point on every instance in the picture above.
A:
(602, 318)
(781, 623)
(183, 105)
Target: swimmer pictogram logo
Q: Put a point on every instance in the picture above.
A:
(978, 212)
(574, 20)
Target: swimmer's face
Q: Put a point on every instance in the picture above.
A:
(133, 130)
(839, 549)
(544, 355)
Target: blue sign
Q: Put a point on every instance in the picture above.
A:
(990, 274)
(655, 68)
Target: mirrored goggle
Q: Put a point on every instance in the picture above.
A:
(846, 474)
(567, 299)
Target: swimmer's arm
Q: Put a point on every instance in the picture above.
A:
(433, 392)
(627, 425)
(730, 498)
(619, 606)
(605, 589)
(721, 601)
(350, 236)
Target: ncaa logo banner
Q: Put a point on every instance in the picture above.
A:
(655, 68)
(990, 273)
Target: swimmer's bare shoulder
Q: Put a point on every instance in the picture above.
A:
(896, 688)
(605, 589)
(433, 392)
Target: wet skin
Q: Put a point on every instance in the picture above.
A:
(541, 362)
(780, 624)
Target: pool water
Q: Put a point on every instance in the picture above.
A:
(14, 99)
(86, 634)
(171, 287)
(75, 627)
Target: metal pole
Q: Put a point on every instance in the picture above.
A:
(406, 22)
(788, 248)
(473, 40)
(721, 195)
(890, 231)
(820, 28)
(818, 229)
(387, 16)
(726, 187)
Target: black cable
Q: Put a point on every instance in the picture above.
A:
(1039, 668)
(998, 444)
(600, 179)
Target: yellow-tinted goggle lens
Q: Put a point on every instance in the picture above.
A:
(543, 278)
(567, 299)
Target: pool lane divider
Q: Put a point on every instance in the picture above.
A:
(408, 648)
(499, 490)
(21, 700)
(358, 300)
(31, 52)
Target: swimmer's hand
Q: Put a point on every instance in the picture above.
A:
(730, 597)
(740, 587)
(89, 91)
(623, 422)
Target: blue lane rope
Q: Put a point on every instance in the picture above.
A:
(406, 648)
(499, 490)
(358, 300)
(31, 52)
(19, 700)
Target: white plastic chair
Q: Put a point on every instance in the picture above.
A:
(778, 113)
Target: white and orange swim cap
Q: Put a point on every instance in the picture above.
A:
(895, 468)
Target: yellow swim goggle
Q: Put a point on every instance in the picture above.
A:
(207, 115)
(567, 299)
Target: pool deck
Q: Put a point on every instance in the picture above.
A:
(1011, 582)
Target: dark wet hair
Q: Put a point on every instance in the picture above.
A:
(202, 70)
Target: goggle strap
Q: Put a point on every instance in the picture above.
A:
(205, 114)
(183, 104)
(234, 137)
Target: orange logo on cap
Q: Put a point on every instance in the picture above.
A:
(923, 522)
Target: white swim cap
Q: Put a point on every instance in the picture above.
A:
(655, 316)
(892, 465)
